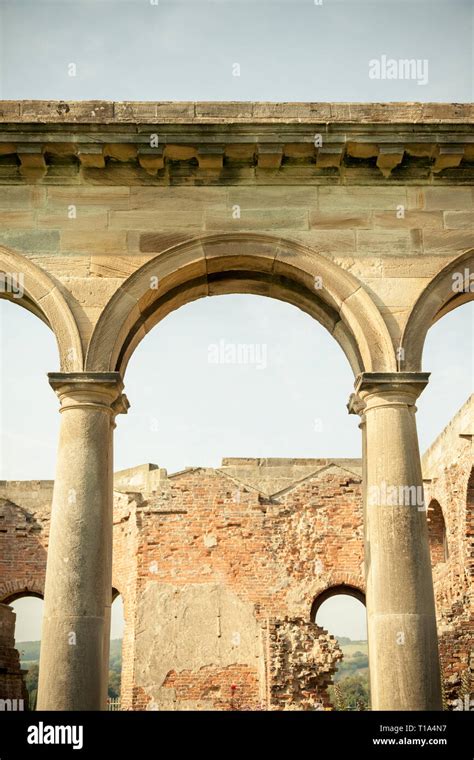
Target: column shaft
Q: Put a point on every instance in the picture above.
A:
(78, 583)
(403, 646)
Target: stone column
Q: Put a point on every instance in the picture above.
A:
(403, 645)
(78, 584)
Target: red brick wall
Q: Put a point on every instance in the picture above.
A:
(448, 467)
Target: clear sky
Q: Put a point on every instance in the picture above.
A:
(185, 410)
(286, 49)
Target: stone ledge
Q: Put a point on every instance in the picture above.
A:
(231, 112)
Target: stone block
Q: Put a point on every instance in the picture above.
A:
(257, 219)
(454, 220)
(447, 198)
(447, 240)
(410, 220)
(98, 241)
(84, 220)
(31, 241)
(384, 241)
(16, 219)
(339, 219)
(109, 198)
(360, 198)
(156, 220)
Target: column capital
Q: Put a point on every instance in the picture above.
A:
(355, 405)
(379, 389)
(97, 390)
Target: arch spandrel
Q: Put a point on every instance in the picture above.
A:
(437, 299)
(42, 297)
(242, 263)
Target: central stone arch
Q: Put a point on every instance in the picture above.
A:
(242, 263)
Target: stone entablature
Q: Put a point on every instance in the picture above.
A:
(313, 143)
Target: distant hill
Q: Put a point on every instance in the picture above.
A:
(354, 666)
(30, 651)
(29, 658)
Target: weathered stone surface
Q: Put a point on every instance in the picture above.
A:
(104, 111)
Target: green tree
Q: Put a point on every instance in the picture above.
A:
(114, 683)
(31, 682)
(355, 691)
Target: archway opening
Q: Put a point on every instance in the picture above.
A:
(437, 533)
(236, 376)
(117, 625)
(28, 609)
(340, 610)
(28, 440)
(451, 378)
(233, 399)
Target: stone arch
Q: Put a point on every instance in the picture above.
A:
(437, 532)
(242, 263)
(346, 589)
(42, 297)
(436, 300)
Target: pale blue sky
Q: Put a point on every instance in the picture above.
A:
(287, 49)
(186, 411)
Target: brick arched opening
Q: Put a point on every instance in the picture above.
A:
(14, 680)
(337, 590)
(20, 594)
(437, 533)
(342, 692)
(115, 677)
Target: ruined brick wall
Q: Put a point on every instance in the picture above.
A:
(302, 662)
(219, 570)
(220, 564)
(124, 575)
(448, 469)
(25, 508)
(12, 686)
